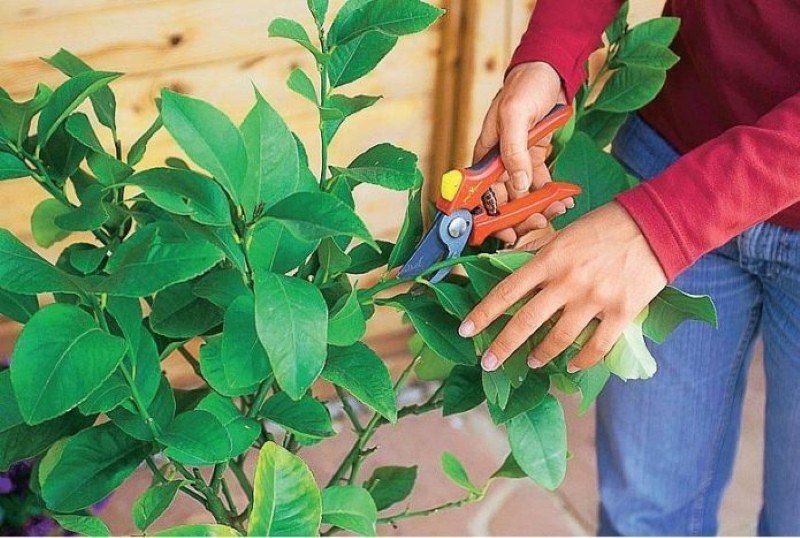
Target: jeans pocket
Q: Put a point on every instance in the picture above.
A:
(641, 150)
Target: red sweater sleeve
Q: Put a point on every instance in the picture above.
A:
(718, 190)
(563, 33)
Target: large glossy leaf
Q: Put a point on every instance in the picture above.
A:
(497, 387)
(178, 313)
(463, 390)
(437, 328)
(364, 258)
(274, 163)
(522, 399)
(287, 500)
(292, 325)
(235, 363)
(209, 138)
(161, 409)
(43, 226)
(103, 101)
(671, 307)
(362, 372)
(15, 118)
(153, 502)
(346, 324)
(196, 438)
(81, 129)
(538, 441)
(272, 247)
(307, 416)
(390, 485)
(350, 508)
(17, 306)
(156, 256)
(630, 358)
(599, 175)
(591, 382)
(60, 358)
(630, 88)
(384, 165)
(645, 55)
(24, 271)
(83, 525)
(330, 217)
(12, 167)
(185, 193)
(359, 56)
(391, 17)
(88, 467)
(66, 98)
(221, 286)
(410, 232)
(659, 31)
(242, 431)
(601, 126)
(617, 26)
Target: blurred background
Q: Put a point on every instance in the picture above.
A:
(436, 88)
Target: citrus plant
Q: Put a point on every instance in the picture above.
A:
(249, 251)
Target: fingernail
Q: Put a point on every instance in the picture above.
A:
(466, 329)
(570, 203)
(519, 180)
(489, 361)
(561, 210)
(571, 368)
(533, 362)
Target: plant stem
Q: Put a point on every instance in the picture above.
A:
(226, 491)
(155, 470)
(193, 362)
(237, 466)
(323, 103)
(258, 401)
(388, 520)
(391, 283)
(348, 409)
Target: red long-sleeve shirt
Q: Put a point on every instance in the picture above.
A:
(731, 106)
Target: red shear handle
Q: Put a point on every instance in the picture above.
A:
(516, 211)
(462, 189)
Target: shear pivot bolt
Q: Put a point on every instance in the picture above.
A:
(457, 227)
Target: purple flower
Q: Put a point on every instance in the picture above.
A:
(6, 484)
(40, 526)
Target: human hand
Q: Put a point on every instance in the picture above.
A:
(600, 266)
(529, 92)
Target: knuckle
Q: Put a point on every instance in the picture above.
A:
(600, 345)
(559, 338)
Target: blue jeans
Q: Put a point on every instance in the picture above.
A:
(665, 446)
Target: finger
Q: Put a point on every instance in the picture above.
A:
(488, 137)
(598, 346)
(506, 293)
(514, 122)
(537, 221)
(524, 323)
(561, 336)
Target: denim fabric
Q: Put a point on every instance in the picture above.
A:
(665, 446)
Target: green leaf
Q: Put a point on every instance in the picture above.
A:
(289, 29)
(84, 525)
(209, 138)
(206, 529)
(411, 231)
(306, 416)
(318, 8)
(287, 500)
(350, 508)
(80, 128)
(161, 409)
(432, 366)
(242, 431)
(497, 387)
(43, 226)
(155, 257)
(671, 307)
(390, 485)
(153, 502)
(645, 55)
(389, 17)
(509, 469)
(509, 261)
(601, 126)
(196, 438)
(364, 258)
(274, 163)
(463, 390)
(86, 258)
(630, 88)
(15, 118)
(384, 165)
(591, 382)
(599, 175)
(456, 472)
(301, 84)
(332, 259)
(66, 343)
(273, 248)
(91, 215)
(659, 31)
(109, 171)
(346, 324)
(618, 25)
(331, 217)
(103, 101)
(67, 97)
(630, 358)
(484, 276)
(185, 193)
(522, 399)
(538, 441)
(88, 467)
(17, 306)
(11, 167)
(363, 373)
(438, 329)
(455, 299)
(292, 323)
(357, 57)
(235, 363)
(346, 106)
(221, 286)
(179, 313)
(138, 148)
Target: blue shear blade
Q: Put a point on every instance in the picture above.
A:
(431, 249)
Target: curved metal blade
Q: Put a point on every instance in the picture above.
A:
(438, 244)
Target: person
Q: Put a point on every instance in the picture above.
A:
(717, 214)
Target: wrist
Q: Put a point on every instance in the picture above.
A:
(543, 73)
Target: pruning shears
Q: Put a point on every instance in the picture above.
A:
(468, 210)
